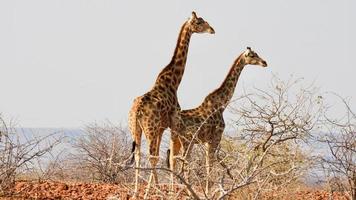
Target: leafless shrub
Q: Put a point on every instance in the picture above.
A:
(54, 168)
(340, 162)
(18, 152)
(271, 125)
(102, 152)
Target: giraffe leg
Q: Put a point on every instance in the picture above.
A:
(137, 161)
(211, 148)
(187, 148)
(187, 154)
(136, 132)
(137, 170)
(209, 159)
(154, 145)
(175, 146)
(156, 158)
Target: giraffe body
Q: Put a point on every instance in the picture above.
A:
(199, 127)
(157, 109)
(205, 124)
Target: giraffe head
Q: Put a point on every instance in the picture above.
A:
(199, 25)
(251, 58)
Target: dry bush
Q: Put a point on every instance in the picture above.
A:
(101, 154)
(18, 153)
(271, 127)
(340, 162)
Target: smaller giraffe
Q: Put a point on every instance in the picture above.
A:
(156, 110)
(205, 124)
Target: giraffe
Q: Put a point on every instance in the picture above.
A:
(156, 110)
(205, 123)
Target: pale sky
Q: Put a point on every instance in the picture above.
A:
(65, 63)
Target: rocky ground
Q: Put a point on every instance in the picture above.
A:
(85, 191)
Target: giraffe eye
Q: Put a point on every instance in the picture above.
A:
(200, 21)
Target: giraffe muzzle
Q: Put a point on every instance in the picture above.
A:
(264, 63)
(211, 30)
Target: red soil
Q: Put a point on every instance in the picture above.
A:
(306, 195)
(83, 191)
(57, 190)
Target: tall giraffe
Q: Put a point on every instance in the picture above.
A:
(155, 111)
(205, 124)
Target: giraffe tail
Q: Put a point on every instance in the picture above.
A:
(167, 158)
(135, 128)
(132, 159)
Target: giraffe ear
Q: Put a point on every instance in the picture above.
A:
(247, 52)
(194, 15)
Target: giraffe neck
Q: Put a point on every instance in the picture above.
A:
(219, 98)
(171, 75)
